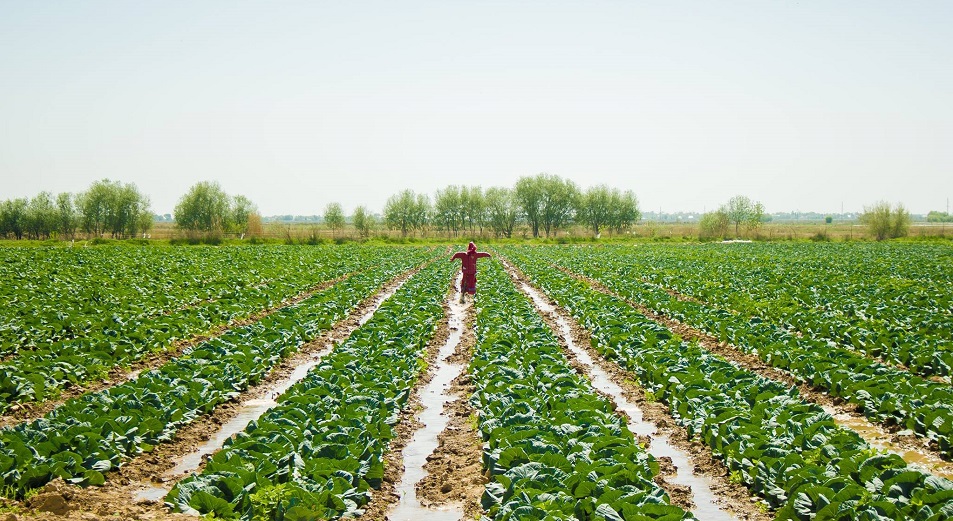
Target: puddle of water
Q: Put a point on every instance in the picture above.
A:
(152, 493)
(248, 410)
(878, 438)
(434, 398)
(659, 446)
(380, 300)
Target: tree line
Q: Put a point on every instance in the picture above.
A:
(545, 203)
(106, 208)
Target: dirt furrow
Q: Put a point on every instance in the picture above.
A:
(455, 473)
(729, 496)
(29, 411)
(913, 449)
(119, 496)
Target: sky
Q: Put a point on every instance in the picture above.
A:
(801, 105)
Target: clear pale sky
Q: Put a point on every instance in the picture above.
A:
(805, 105)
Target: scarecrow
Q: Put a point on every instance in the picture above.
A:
(469, 259)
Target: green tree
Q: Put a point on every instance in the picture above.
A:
(601, 206)
(241, 210)
(67, 218)
(559, 203)
(448, 209)
(115, 208)
(406, 211)
(334, 217)
(502, 211)
(884, 222)
(742, 210)
(939, 217)
(595, 208)
(528, 193)
(41, 216)
(95, 205)
(204, 208)
(13, 217)
(473, 205)
(547, 201)
(130, 214)
(713, 225)
(363, 221)
(625, 211)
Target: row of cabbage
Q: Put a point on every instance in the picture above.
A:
(45, 368)
(887, 301)
(319, 452)
(554, 448)
(788, 451)
(883, 393)
(58, 294)
(95, 433)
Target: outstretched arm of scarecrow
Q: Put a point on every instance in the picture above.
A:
(482, 254)
(459, 255)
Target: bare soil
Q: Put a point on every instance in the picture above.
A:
(117, 497)
(455, 472)
(29, 411)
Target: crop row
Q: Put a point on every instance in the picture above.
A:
(554, 448)
(95, 433)
(886, 301)
(43, 371)
(884, 394)
(57, 294)
(319, 452)
(784, 449)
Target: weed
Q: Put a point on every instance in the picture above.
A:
(737, 477)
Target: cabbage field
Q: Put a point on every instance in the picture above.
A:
(118, 359)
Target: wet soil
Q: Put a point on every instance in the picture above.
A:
(914, 449)
(123, 493)
(455, 474)
(29, 411)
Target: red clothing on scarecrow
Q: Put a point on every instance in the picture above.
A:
(469, 260)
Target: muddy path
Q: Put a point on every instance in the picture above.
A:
(29, 411)
(137, 489)
(693, 478)
(423, 422)
(913, 449)
(455, 473)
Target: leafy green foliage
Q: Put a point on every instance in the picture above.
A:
(884, 222)
(76, 314)
(93, 434)
(207, 208)
(885, 394)
(554, 448)
(786, 450)
(320, 451)
(406, 211)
